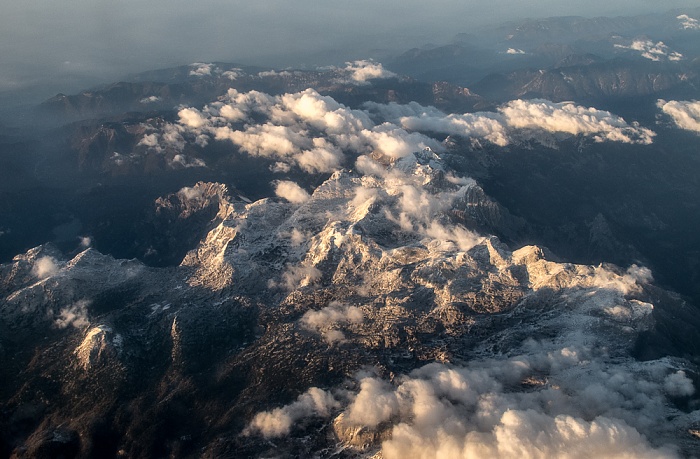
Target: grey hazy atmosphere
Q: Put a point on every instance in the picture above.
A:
(67, 45)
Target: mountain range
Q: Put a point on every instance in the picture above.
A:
(486, 248)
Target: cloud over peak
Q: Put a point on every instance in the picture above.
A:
(568, 118)
(291, 192)
(363, 70)
(655, 51)
(522, 117)
(685, 114)
(317, 134)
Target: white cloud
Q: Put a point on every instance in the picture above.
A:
(45, 267)
(364, 70)
(232, 113)
(577, 407)
(74, 315)
(191, 118)
(297, 276)
(291, 192)
(297, 237)
(526, 434)
(233, 74)
(274, 73)
(654, 51)
(515, 51)
(679, 385)
(190, 193)
(85, 242)
(172, 138)
(688, 23)
(538, 404)
(280, 421)
(149, 140)
(685, 114)
(315, 132)
(521, 116)
(181, 160)
(200, 70)
(375, 403)
(150, 100)
(327, 320)
(573, 119)
(286, 133)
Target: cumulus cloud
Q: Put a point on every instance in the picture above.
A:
(685, 114)
(45, 267)
(576, 406)
(527, 434)
(316, 133)
(74, 315)
(199, 69)
(688, 23)
(291, 192)
(191, 118)
(280, 421)
(544, 403)
(415, 117)
(304, 129)
(181, 160)
(521, 116)
(172, 137)
(149, 140)
(327, 320)
(515, 51)
(654, 51)
(679, 385)
(573, 119)
(364, 70)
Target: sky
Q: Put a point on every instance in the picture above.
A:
(74, 42)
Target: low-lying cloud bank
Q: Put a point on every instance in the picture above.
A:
(364, 70)
(570, 395)
(315, 133)
(545, 402)
(655, 51)
(522, 116)
(685, 114)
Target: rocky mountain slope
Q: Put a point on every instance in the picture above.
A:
(347, 262)
(365, 317)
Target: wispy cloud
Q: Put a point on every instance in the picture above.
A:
(655, 51)
(688, 23)
(327, 321)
